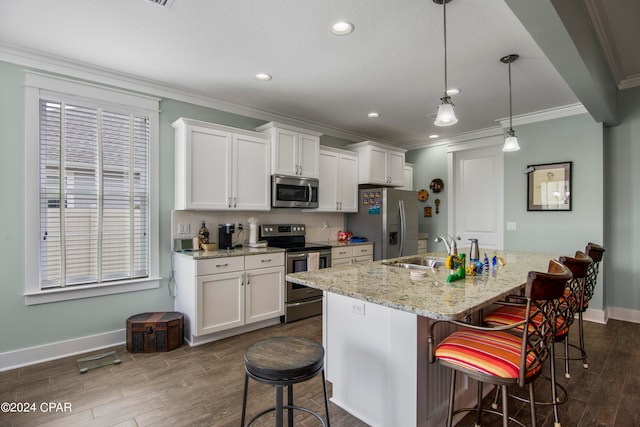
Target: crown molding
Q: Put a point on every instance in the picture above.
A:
(544, 115)
(457, 139)
(40, 61)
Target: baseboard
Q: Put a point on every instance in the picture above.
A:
(57, 350)
(625, 314)
(597, 316)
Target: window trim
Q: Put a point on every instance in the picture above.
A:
(37, 85)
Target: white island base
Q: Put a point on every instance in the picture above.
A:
(377, 362)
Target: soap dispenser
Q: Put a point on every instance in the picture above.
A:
(474, 252)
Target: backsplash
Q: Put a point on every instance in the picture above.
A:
(321, 227)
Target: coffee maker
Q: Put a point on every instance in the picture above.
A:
(225, 236)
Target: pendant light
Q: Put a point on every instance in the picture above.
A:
(446, 116)
(511, 141)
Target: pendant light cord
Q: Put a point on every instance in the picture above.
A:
(510, 102)
(444, 14)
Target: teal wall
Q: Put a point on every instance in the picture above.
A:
(622, 205)
(428, 164)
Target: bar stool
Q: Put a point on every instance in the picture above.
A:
(568, 304)
(572, 302)
(282, 362)
(596, 252)
(510, 354)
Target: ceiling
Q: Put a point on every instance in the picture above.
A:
(392, 63)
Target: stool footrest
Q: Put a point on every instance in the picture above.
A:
(299, 408)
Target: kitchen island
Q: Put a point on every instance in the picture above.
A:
(375, 325)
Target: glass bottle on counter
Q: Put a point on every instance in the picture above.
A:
(203, 235)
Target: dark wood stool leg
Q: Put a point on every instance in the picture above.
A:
(244, 399)
(290, 400)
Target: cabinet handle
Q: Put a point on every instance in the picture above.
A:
(229, 204)
(266, 260)
(300, 169)
(297, 170)
(226, 264)
(337, 205)
(340, 205)
(235, 202)
(248, 278)
(342, 253)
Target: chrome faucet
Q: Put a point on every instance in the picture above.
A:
(449, 243)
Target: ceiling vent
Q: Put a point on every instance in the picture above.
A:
(165, 3)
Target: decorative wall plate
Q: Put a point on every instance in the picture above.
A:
(436, 185)
(423, 195)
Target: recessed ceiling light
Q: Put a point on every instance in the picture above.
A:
(452, 92)
(342, 28)
(263, 77)
(432, 136)
(373, 115)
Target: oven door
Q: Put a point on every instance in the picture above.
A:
(293, 192)
(297, 262)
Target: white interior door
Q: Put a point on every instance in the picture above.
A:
(478, 196)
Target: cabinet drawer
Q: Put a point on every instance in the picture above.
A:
(342, 252)
(219, 265)
(362, 250)
(263, 260)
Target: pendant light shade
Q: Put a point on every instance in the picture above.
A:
(511, 140)
(446, 116)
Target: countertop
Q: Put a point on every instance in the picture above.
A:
(223, 253)
(430, 296)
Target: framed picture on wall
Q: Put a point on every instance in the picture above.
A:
(549, 187)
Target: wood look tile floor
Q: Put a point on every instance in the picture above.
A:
(202, 386)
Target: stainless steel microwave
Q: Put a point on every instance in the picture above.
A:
(293, 192)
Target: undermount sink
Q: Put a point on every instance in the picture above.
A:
(417, 263)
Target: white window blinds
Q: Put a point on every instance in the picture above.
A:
(94, 194)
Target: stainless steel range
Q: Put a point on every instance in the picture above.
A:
(300, 301)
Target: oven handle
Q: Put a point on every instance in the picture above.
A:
(296, 304)
(301, 255)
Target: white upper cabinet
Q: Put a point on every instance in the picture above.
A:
(408, 177)
(294, 151)
(379, 164)
(220, 168)
(338, 190)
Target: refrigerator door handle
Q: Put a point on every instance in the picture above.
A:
(403, 228)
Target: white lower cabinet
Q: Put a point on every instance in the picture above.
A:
(344, 255)
(220, 297)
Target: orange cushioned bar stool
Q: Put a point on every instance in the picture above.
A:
(510, 312)
(512, 354)
(596, 252)
(572, 302)
(282, 362)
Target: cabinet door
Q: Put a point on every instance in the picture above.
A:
(308, 155)
(348, 183)
(264, 294)
(395, 168)
(220, 302)
(285, 152)
(327, 192)
(378, 166)
(251, 182)
(208, 165)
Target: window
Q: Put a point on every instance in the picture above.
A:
(93, 150)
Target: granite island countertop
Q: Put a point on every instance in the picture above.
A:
(430, 296)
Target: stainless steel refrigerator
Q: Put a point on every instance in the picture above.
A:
(388, 218)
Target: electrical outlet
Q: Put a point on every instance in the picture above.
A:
(357, 308)
(183, 229)
(511, 226)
